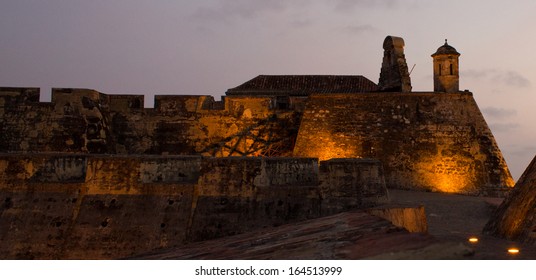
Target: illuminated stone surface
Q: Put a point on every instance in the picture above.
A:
(426, 141)
(515, 218)
(413, 219)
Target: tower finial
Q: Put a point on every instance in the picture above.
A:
(446, 42)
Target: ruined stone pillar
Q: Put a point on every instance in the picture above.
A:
(394, 75)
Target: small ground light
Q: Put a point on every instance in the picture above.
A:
(473, 240)
(513, 251)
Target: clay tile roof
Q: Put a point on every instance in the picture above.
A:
(303, 85)
(446, 49)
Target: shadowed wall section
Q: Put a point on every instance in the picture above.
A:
(75, 206)
(87, 121)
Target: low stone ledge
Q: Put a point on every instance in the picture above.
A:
(412, 219)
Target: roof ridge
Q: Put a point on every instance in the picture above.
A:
(304, 84)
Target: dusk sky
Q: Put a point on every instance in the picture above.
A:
(207, 46)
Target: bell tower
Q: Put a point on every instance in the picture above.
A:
(446, 74)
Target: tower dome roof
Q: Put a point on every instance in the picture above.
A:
(446, 49)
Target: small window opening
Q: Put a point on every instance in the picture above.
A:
(451, 70)
(439, 69)
(282, 103)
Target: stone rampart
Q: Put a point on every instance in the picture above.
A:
(426, 141)
(87, 121)
(79, 206)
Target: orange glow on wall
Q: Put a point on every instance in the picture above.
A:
(332, 148)
(334, 152)
(445, 174)
(473, 240)
(449, 183)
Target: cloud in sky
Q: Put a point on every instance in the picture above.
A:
(499, 117)
(300, 23)
(508, 77)
(229, 10)
(348, 5)
(503, 127)
(515, 79)
(360, 28)
(224, 10)
(499, 113)
(523, 150)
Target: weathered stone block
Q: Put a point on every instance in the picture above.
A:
(351, 183)
(170, 169)
(413, 219)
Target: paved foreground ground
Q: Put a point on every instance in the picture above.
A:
(452, 220)
(457, 217)
(349, 235)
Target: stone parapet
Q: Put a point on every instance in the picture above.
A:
(79, 206)
(87, 121)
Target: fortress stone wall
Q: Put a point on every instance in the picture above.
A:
(426, 141)
(87, 121)
(95, 175)
(79, 206)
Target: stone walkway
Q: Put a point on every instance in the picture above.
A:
(452, 220)
(455, 218)
(348, 235)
